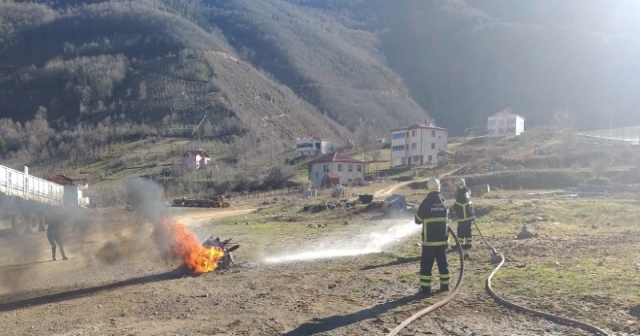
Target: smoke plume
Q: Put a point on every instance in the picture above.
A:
(91, 236)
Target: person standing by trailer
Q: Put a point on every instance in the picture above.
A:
(432, 214)
(463, 208)
(55, 238)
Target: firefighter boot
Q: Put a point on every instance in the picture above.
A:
(444, 288)
(53, 253)
(425, 291)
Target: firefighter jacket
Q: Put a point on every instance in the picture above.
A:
(463, 206)
(432, 214)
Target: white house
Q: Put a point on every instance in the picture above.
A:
(505, 123)
(312, 146)
(417, 144)
(334, 169)
(195, 159)
(72, 190)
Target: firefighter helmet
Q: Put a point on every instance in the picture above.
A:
(433, 184)
(460, 183)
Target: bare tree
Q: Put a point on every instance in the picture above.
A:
(563, 122)
(365, 135)
(598, 165)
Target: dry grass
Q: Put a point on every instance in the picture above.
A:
(582, 264)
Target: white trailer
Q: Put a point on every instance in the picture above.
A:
(27, 202)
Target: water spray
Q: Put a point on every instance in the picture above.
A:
(373, 242)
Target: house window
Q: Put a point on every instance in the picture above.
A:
(433, 145)
(398, 135)
(326, 168)
(414, 133)
(350, 168)
(359, 167)
(430, 158)
(433, 134)
(398, 148)
(414, 145)
(316, 174)
(339, 167)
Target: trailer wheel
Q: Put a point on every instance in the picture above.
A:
(18, 224)
(33, 223)
(44, 222)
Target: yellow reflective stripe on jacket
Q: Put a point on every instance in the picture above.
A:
(438, 243)
(434, 220)
(464, 212)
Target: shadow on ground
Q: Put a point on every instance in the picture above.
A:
(317, 326)
(398, 261)
(25, 264)
(635, 311)
(78, 293)
(6, 233)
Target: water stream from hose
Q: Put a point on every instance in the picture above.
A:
(364, 243)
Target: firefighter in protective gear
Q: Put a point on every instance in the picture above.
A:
(463, 208)
(432, 214)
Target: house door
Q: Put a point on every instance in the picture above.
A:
(421, 159)
(409, 161)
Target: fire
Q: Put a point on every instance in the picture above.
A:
(186, 245)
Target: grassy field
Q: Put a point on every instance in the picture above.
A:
(582, 264)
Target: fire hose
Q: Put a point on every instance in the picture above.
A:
(440, 303)
(519, 308)
(551, 317)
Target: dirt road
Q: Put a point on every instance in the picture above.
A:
(196, 217)
(140, 294)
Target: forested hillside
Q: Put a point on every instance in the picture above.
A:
(84, 75)
(463, 60)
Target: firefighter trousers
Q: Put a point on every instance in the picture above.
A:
(429, 255)
(464, 234)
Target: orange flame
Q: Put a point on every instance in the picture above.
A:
(186, 245)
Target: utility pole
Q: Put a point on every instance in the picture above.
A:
(610, 123)
(365, 139)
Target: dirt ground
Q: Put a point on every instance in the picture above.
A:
(115, 283)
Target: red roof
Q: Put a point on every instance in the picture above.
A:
(334, 157)
(200, 152)
(60, 179)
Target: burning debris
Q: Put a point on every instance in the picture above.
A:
(173, 238)
(198, 257)
(227, 259)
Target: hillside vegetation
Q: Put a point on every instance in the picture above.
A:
(463, 60)
(80, 79)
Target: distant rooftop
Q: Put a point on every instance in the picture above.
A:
(335, 157)
(505, 112)
(200, 152)
(426, 125)
(311, 137)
